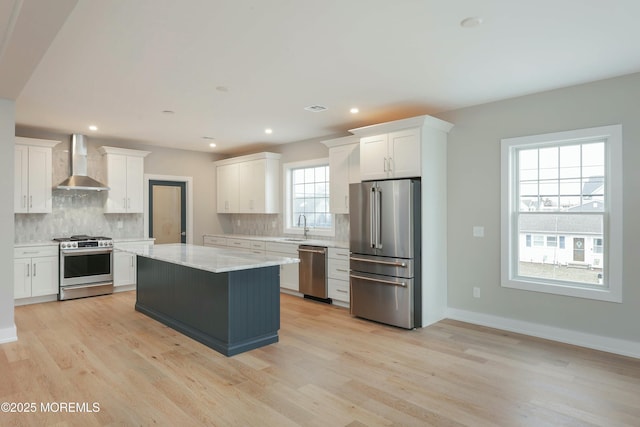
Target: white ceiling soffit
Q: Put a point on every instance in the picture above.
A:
(27, 28)
(230, 69)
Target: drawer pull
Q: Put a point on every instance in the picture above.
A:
(394, 264)
(342, 270)
(342, 291)
(386, 282)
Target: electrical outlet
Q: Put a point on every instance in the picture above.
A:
(478, 231)
(238, 223)
(273, 224)
(476, 292)
(120, 224)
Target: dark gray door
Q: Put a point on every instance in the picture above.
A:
(167, 211)
(578, 249)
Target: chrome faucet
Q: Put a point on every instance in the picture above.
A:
(305, 229)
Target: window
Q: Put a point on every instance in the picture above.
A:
(307, 197)
(538, 240)
(597, 246)
(564, 189)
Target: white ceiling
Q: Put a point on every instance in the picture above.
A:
(119, 63)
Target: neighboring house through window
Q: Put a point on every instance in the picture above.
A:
(562, 213)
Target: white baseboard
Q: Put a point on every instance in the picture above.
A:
(567, 336)
(124, 288)
(8, 334)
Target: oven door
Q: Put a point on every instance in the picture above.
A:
(86, 266)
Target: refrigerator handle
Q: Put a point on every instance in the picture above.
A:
(372, 217)
(378, 232)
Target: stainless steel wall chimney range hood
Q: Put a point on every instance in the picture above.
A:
(78, 165)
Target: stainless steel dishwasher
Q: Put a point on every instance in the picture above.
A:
(313, 272)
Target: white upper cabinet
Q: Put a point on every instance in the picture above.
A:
(344, 164)
(373, 157)
(251, 178)
(249, 184)
(392, 155)
(395, 149)
(125, 178)
(404, 154)
(227, 188)
(32, 182)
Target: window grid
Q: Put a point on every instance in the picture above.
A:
(592, 176)
(310, 197)
(547, 176)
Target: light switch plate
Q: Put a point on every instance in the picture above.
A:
(478, 231)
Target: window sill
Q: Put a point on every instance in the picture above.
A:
(571, 290)
(311, 232)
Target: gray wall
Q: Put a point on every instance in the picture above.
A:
(7, 126)
(474, 199)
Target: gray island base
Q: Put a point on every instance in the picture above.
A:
(228, 300)
(230, 312)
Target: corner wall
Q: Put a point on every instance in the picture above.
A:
(473, 163)
(7, 142)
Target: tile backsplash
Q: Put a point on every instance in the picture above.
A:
(76, 212)
(273, 225)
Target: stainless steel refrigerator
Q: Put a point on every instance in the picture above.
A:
(385, 241)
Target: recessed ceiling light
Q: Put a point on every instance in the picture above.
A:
(168, 112)
(471, 22)
(208, 137)
(268, 131)
(316, 108)
(354, 110)
(222, 88)
(212, 145)
(93, 128)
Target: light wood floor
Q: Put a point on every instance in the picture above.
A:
(328, 369)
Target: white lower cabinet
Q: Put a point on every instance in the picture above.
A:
(124, 269)
(214, 241)
(288, 272)
(338, 275)
(35, 271)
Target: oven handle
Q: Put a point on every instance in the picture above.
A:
(86, 251)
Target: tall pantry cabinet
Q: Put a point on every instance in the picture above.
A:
(416, 147)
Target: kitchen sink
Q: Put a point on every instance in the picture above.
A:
(294, 240)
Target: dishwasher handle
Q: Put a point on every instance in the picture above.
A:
(314, 251)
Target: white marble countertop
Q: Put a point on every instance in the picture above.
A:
(36, 243)
(205, 258)
(287, 239)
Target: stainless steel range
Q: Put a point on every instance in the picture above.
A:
(86, 266)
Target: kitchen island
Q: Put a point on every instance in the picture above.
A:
(228, 300)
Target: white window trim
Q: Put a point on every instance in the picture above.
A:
(290, 228)
(612, 217)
